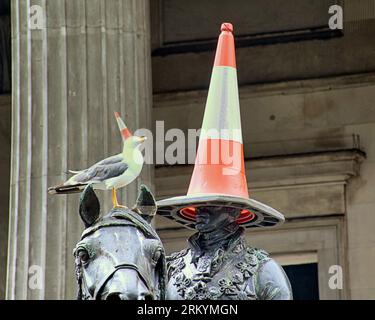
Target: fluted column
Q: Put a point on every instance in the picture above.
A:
(91, 58)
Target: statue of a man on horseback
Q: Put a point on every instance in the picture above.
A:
(120, 256)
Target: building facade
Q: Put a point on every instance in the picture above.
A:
(307, 93)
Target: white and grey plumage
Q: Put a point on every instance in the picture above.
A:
(111, 173)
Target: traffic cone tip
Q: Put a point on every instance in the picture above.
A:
(227, 26)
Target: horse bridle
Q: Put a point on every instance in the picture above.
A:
(102, 283)
(80, 277)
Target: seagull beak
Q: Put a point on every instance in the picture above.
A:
(142, 139)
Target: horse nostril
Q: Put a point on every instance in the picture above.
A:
(145, 296)
(148, 297)
(114, 296)
(120, 296)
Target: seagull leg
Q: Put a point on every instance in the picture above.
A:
(114, 200)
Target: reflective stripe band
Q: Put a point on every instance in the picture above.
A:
(222, 114)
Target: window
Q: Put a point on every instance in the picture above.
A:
(304, 281)
(302, 271)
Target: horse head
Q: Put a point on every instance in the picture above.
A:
(119, 256)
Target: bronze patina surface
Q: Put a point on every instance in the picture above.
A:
(120, 256)
(219, 265)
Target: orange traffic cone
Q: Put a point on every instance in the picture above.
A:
(219, 173)
(220, 160)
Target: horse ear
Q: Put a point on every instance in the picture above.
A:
(145, 205)
(89, 206)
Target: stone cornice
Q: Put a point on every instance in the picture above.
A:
(274, 172)
(270, 89)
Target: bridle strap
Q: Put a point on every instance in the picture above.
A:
(131, 266)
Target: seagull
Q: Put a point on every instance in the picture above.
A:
(111, 173)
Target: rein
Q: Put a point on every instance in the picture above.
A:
(115, 269)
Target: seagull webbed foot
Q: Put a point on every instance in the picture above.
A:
(115, 202)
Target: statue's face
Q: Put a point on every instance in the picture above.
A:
(211, 218)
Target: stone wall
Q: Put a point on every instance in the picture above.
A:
(299, 98)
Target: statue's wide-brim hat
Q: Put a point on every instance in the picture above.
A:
(219, 173)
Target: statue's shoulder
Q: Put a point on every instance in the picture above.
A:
(271, 282)
(256, 257)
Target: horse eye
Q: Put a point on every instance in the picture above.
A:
(156, 255)
(83, 255)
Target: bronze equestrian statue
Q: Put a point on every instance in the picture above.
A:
(120, 256)
(217, 265)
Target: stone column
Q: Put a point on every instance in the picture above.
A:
(90, 58)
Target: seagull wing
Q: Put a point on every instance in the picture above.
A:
(109, 160)
(101, 172)
(105, 169)
(113, 159)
